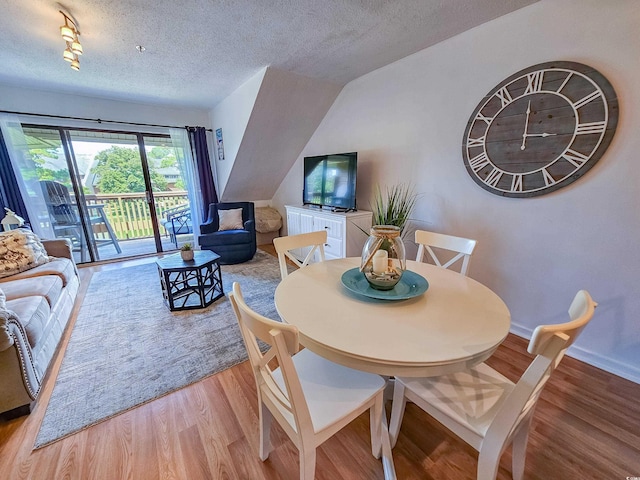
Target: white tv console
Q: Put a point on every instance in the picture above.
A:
(344, 238)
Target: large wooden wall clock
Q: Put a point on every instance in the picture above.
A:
(540, 129)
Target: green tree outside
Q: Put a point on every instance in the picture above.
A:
(119, 170)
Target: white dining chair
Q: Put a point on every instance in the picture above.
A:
(486, 409)
(310, 397)
(462, 247)
(284, 246)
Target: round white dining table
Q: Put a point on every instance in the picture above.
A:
(455, 324)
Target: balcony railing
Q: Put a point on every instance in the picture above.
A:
(129, 215)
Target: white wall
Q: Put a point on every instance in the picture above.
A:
(407, 120)
(232, 115)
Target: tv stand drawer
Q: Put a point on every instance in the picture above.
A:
(333, 227)
(333, 247)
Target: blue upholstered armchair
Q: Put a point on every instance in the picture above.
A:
(235, 245)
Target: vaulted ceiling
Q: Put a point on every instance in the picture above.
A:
(199, 51)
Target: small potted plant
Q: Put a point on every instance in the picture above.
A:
(186, 252)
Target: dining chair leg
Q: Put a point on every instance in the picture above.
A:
(488, 463)
(375, 420)
(387, 456)
(307, 463)
(265, 431)
(519, 450)
(397, 412)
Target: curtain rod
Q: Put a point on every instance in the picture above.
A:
(97, 120)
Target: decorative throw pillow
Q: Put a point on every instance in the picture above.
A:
(20, 250)
(230, 219)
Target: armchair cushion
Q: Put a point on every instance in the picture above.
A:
(226, 237)
(230, 219)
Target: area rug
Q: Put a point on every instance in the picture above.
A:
(127, 348)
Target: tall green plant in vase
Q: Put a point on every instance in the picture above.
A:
(383, 254)
(394, 205)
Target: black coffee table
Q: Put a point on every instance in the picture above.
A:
(193, 284)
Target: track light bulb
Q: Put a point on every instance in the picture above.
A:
(67, 32)
(76, 47)
(68, 55)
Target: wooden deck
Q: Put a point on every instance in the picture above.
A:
(135, 248)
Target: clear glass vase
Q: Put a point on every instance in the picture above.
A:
(383, 257)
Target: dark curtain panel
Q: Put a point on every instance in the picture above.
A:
(198, 141)
(9, 191)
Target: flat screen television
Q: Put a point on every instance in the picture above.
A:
(330, 181)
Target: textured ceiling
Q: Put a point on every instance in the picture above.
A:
(199, 51)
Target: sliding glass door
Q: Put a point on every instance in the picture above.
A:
(169, 190)
(112, 194)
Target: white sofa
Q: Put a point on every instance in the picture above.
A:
(32, 320)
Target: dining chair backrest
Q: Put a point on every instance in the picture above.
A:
(463, 248)
(549, 343)
(283, 342)
(285, 245)
(580, 312)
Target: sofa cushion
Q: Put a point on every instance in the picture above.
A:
(33, 313)
(49, 286)
(3, 300)
(20, 250)
(62, 267)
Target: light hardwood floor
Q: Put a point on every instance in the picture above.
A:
(586, 426)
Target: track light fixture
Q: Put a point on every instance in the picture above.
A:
(68, 55)
(70, 34)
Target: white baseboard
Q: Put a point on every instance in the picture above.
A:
(624, 370)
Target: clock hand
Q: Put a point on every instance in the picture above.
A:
(526, 125)
(545, 134)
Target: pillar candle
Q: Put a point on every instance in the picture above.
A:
(380, 262)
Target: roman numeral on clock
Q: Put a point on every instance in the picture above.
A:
(494, 177)
(476, 142)
(586, 99)
(566, 80)
(590, 127)
(478, 162)
(516, 183)
(486, 120)
(548, 179)
(576, 159)
(534, 82)
(504, 96)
